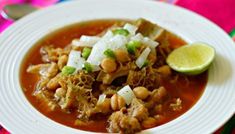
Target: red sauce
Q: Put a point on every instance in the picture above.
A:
(188, 90)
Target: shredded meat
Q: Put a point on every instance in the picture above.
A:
(78, 90)
(51, 54)
(46, 100)
(107, 78)
(53, 83)
(156, 97)
(176, 105)
(147, 77)
(138, 110)
(38, 69)
(41, 84)
(149, 29)
(45, 70)
(103, 108)
(121, 122)
(128, 121)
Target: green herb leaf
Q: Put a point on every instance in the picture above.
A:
(66, 70)
(146, 63)
(87, 67)
(131, 49)
(109, 53)
(86, 52)
(135, 43)
(121, 32)
(132, 45)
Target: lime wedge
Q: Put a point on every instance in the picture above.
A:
(191, 59)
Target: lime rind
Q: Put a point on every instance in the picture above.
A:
(188, 53)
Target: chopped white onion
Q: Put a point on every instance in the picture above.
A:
(74, 56)
(108, 35)
(98, 49)
(145, 40)
(151, 43)
(113, 42)
(108, 41)
(118, 41)
(127, 94)
(95, 68)
(142, 58)
(101, 99)
(137, 37)
(80, 63)
(89, 38)
(76, 42)
(75, 60)
(86, 41)
(130, 28)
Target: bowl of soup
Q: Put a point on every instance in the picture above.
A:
(81, 68)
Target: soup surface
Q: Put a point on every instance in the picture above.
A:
(176, 93)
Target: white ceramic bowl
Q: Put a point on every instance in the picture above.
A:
(214, 108)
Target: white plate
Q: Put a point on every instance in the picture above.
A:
(214, 108)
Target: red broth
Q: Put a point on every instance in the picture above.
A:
(189, 90)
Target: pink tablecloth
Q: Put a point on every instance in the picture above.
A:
(222, 12)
